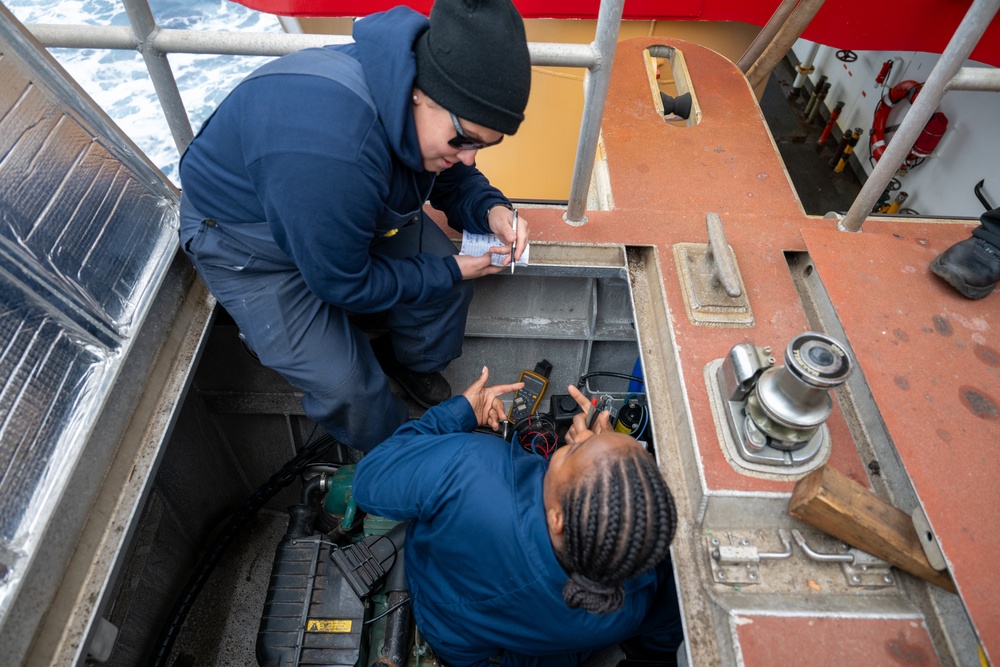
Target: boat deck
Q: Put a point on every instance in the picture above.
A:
(197, 422)
(929, 357)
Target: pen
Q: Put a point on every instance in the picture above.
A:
(513, 246)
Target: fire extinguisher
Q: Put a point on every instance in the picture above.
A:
(884, 72)
(930, 137)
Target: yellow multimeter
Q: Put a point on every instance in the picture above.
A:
(528, 397)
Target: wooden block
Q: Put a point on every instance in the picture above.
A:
(830, 501)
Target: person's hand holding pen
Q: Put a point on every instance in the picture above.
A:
(511, 228)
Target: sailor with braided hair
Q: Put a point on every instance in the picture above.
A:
(515, 560)
(618, 519)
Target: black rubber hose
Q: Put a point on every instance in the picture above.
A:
(396, 581)
(313, 490)
(398, 624)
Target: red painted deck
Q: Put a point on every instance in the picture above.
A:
(833, 642)
(931, 357)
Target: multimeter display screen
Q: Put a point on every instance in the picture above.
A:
(527, 398)
(532, 384)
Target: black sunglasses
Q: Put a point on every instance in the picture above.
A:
(464, 143)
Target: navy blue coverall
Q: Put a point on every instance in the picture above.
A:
(483, 576)
(302, 202)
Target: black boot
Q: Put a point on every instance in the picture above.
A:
(972, 267)
(427, 389)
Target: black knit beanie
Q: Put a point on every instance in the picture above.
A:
(474, 62)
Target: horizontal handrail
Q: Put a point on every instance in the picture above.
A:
(545, 54)
(153, 42)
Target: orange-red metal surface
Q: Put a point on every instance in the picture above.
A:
(767, 641)
(932, 359)
(665, 179)
(930, 356)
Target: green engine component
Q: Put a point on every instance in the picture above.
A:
(338, 490)
(340, 506)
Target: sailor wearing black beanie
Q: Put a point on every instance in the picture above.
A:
(474, 62)
(322, 161)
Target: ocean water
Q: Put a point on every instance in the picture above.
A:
(118, 80)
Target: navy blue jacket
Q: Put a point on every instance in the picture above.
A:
(324, 148)
(482, 572)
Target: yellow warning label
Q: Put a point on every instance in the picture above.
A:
(328, 625)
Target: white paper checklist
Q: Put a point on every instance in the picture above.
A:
(476, 245)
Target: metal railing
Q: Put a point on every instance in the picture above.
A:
(948, 74)
(154, 43)
(790, 20)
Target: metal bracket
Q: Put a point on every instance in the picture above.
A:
(739, 564)
(713, 289)
(861, 569)
(741, 368)
(928, 540)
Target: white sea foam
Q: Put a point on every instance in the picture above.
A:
(118, 80)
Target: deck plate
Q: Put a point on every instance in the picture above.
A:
(873, 642)
(943, 414)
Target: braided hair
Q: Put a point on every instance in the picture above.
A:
(619, 522)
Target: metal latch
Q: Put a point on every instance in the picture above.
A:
(739, 563)
(860, 568)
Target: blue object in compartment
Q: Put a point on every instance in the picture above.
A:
(633, 385)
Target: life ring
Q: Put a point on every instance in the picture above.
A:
(904, 90)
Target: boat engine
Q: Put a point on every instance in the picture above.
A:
(337, 594)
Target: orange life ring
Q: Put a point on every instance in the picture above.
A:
(904, 90)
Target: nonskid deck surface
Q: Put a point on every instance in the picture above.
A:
(932, 360)
(930, 357)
